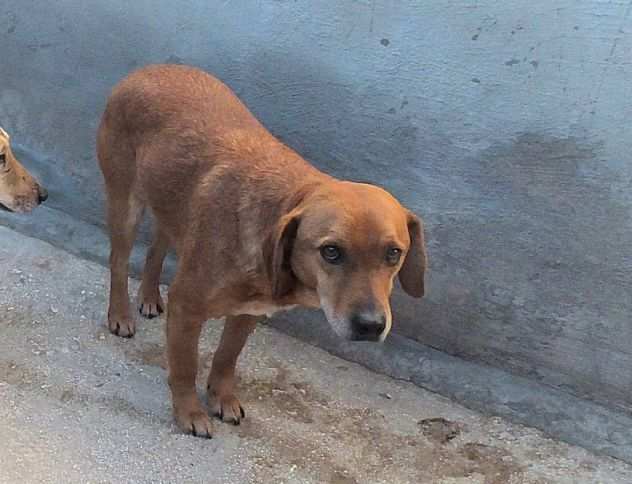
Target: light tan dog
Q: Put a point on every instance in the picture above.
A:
(19, 192)
(256, 229)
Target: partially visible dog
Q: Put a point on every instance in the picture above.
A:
(255, 227)
(19, 192)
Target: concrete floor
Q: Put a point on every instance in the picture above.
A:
(80, 405)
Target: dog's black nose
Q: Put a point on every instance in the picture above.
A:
(367, 328)
(43, 194)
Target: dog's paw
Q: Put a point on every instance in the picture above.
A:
(125, 327)
(151, 309)
(226, 407)
(195, 422)
(151, 306)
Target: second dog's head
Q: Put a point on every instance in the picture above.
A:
(347, 242)
(19, 192)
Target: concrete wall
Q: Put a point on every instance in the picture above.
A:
(504, 124)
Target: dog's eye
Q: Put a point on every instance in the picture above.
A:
(393, 255)
(3, 160)
(331, 254)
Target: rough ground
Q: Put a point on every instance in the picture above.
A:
(80, 405)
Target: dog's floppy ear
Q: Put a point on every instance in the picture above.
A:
(412, 272)
(277, 251)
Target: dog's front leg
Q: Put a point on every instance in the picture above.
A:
(183, 334)
(221, 380)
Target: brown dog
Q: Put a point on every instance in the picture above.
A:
(256, 229)
(19, 192)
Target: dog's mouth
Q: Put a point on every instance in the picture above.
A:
(4, 208)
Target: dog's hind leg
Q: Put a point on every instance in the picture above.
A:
(124, 215)
(117, 159)
(150, 303)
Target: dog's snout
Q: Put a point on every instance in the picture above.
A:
(368, 328)
(42, 194)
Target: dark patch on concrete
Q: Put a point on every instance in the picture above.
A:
(338, 477)
(149, 354)
(439, 429)
(476, 80)
(66, 396)
(385, 42)
(550, 217)
(10, 22)
(294, 400)
(494, 463)
(25, 377)
(405, 133)
(534, 63)
(174, 59)
(512, 62)
(37, 47)
(43, 263)
(16, 374)
(111, 403)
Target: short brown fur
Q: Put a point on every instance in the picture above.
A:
(248, 218)
(19, 191)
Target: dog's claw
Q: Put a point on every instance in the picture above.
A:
(118, 332)
(195, 423)
(227, 408)
(146, 311)
(120, 327)
(150, 306)
(195, 433)
(148, 315)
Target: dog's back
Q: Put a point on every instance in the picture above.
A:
(167, 129)
(170, 99)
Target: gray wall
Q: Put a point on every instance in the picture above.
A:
(504, 124)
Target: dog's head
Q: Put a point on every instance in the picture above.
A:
(348, 241)
(19, 192)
